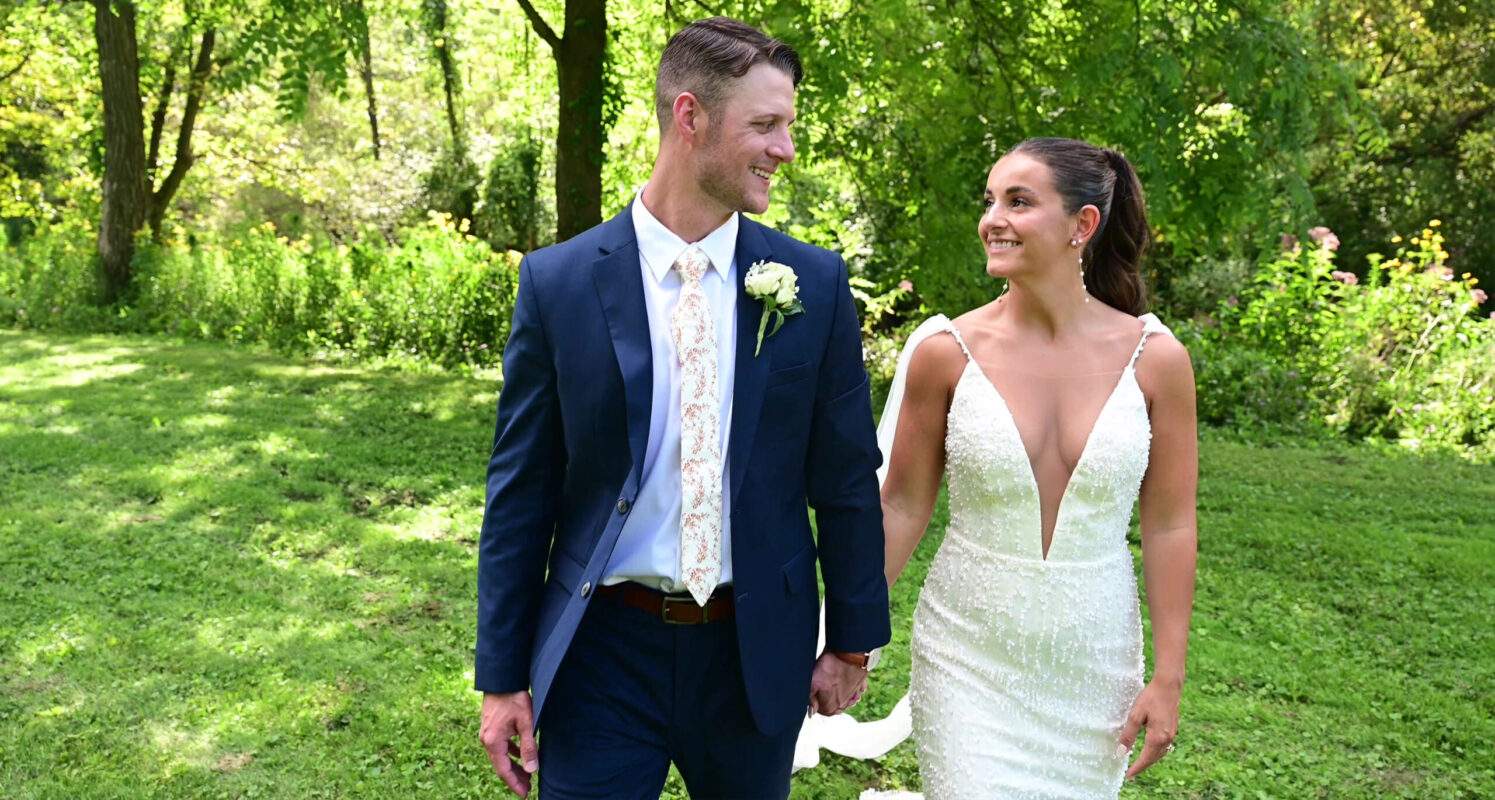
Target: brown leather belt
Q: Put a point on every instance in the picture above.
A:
(672, 609)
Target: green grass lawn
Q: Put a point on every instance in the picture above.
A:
(225, 574)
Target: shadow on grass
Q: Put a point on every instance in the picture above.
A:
(224, 571)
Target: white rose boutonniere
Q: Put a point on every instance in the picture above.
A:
(777, 287)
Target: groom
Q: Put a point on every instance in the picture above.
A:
(646, 574)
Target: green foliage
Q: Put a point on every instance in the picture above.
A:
(228, 574)
(513, 216)
(452, 185)
(1408, 353)
(438, 293)
(1419, 141)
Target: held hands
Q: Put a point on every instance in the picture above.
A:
(506, 716)
(1157, 710)
(835, 685)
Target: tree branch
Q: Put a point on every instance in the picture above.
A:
(158, 118)
(195, 91)
(7, 76)
(538, 23)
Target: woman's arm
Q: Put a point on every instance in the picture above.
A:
(1170, 540)
(917, 462)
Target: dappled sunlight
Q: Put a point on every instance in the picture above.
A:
(78, 371)
(179, 745)
(220, 397)
(302, 369)
(202, 422)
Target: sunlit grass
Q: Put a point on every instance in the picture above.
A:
(224, 574)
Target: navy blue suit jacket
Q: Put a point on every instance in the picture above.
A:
(568, 452)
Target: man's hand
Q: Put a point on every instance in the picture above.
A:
(506, 716)
(835, 685)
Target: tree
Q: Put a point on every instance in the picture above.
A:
(453, 184)
(134, 195)
(581, 62)
(1419, 143)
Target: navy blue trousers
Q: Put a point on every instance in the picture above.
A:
(634, 693)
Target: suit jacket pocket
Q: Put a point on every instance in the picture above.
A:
(799, 571)
(783, 376)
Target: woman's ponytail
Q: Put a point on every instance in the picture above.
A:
(1115, 273)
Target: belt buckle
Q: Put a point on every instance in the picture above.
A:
(664, 611)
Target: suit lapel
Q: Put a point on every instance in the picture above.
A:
(751, 371)
(620, 287)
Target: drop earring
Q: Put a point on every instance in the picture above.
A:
(1083, 290)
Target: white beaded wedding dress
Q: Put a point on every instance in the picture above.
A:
(1025, 664)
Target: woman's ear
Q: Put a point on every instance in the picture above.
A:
(1086, 223)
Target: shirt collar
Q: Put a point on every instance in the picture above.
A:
(660, 247)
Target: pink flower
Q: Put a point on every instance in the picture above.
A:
(1324, 238)
(1232, 301)
(1346, 278)
(906, 285)
(1480, 297)
(1289, 241)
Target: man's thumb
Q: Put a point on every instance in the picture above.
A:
(529, 754)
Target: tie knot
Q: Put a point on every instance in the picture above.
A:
(692, 264)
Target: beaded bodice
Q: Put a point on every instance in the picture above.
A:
(993, 493)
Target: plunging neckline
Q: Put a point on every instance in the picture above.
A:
(1016, 431)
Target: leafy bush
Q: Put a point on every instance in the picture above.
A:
(512, 215)
(438, 293)
(1407, 353)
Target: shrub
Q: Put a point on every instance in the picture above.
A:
(1405, 353)
(438, 293)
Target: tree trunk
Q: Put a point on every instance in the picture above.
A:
(581, 61)
(581, 137)
(124, 191)
(439, 24)
(366, 71)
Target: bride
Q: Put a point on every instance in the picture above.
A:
(1050, 411)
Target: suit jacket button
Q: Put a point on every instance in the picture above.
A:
(586, 589)
(623, 505)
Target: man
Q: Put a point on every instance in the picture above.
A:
(646, 573)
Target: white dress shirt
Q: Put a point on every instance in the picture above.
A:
(648, 548)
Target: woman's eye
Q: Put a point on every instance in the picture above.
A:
(987, 204)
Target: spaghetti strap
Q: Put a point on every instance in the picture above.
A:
(950, 328)
(1150, 325)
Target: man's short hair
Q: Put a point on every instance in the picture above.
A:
(705, 56)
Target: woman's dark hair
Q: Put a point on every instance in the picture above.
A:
(704, 56)
(1088, 175)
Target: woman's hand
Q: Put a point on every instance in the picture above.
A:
(1156, 710)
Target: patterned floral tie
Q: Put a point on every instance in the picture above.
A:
(700, 444)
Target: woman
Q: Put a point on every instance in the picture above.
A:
(1051, 411)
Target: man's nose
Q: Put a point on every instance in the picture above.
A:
(782, 147)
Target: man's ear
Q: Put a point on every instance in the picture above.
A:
(690, 117)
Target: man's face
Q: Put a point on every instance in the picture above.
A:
(746, 139)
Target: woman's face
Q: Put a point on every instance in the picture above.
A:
(1024, 227)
